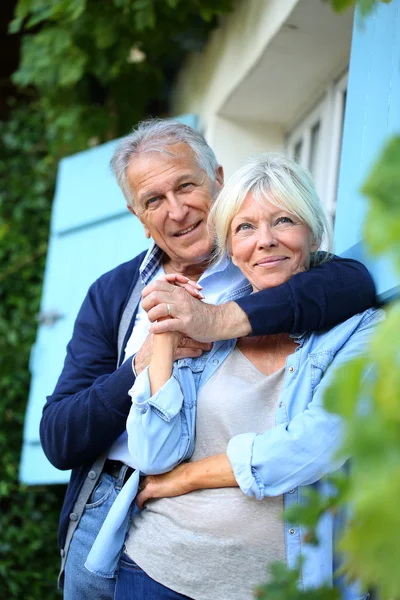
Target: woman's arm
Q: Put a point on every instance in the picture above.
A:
(211, 472)
(158, 429)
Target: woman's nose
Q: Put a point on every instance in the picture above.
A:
(267, 237)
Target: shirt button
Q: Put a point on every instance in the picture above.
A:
(291, 369)
(280, 404)
(92, 474)
(291, 491)
(73, 517)
(292, 531)
(215, 361)
(62, 552)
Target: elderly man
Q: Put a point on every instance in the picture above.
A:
(169, 176)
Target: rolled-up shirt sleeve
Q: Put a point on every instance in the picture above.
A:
(157, 429)
(304, 449)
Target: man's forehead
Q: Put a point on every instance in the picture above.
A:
(159, 168)
(159, 156)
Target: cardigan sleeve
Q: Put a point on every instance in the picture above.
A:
(87, 411)
(314, 300)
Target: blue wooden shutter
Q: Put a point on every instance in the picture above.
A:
(91, 232)
(372, 117)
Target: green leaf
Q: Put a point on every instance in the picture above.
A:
(15, 25)
(342, 394)
(382, 187)
(144, 14)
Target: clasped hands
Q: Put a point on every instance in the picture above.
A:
(180, 298)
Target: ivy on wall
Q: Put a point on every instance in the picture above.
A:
(28, 516)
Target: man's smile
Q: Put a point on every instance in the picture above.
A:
(187, 230)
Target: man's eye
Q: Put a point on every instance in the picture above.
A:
(186, 185)
(153, 201)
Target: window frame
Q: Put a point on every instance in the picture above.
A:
(328, 111)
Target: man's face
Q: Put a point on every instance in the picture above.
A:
(172, 197)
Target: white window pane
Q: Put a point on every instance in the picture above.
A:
(314, 148)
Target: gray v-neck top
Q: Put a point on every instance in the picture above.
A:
(214, 544)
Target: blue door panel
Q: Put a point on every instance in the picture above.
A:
(92, 232)
(372, 116)
(85, 187)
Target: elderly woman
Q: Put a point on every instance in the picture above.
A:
(213, 523)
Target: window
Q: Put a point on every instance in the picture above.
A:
(315, 142)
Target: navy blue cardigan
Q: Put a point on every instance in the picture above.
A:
(88, 409)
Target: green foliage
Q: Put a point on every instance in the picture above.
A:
(28, 517)
(110, 60)
(365, 6)
(382, 228)
(284, 585)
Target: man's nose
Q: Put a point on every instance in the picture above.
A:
(267, 236)
(177, 210)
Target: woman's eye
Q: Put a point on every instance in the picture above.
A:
(284, 221)
(243, 227)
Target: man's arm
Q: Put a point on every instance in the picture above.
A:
(88, 409)
(316, 299)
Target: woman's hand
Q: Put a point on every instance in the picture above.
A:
(168, 485)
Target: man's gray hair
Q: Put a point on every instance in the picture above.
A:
(154, 135)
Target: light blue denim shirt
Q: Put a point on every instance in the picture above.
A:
(295, 454)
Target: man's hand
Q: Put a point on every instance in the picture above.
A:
(197, 320)
(171, 484)
(206, 473)
(187, 348)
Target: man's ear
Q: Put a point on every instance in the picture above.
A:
(219, 179)
(132, 210)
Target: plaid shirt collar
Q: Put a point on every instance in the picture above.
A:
(151, 263)
(154, 260)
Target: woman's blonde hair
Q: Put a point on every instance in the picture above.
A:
(282, 182)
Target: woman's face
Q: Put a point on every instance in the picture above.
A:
(268, 244)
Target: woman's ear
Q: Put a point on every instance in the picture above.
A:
(314, 244)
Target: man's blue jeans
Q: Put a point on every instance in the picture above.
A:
(134, 584)
(79, 583)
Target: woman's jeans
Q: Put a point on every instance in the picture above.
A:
(134, 584)
(79, 583)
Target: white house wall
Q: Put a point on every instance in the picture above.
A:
(209, 77)
(262, 69)
(233, 140)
